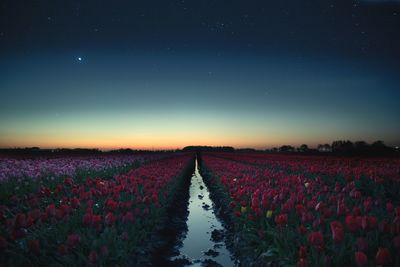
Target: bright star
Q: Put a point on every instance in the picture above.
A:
(79, 58)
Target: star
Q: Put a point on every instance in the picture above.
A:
(79, 59)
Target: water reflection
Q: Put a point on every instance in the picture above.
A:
(198, 244)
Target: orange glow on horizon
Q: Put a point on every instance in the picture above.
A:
(167, 143)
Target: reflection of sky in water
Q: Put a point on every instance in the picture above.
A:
(201, 223)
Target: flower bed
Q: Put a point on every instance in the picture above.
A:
(306, 219)
(94, 222)
(66, 166)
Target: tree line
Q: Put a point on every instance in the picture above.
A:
(344, 147)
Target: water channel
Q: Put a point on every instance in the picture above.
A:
(204, 240)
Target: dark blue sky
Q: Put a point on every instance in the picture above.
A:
(175, 73)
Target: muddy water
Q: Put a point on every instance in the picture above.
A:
(204, 239)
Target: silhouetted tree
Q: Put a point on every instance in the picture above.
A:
(361, 147)
(379, 147)
(208, 149)
(303, 148)
(286, 148)
(342, 146)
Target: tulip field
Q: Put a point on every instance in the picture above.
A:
(280, 210)
(101, 219)
(309, 210)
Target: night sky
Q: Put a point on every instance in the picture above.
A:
(166, 74)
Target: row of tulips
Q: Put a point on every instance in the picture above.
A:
(22, 176)
(377, 169)
(304, 219)
(66, 166)
(92, 222)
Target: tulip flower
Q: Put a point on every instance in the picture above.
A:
(110, 219)
(361, 259)
(75, 203)
(316, 239)
(353, 223)
(383, 257)
(302, 263)
(51, 210)
(337, 231)
(73, 240)
(302, 252)
(62, 249)
(93, 258)
(20, 221)
(281, 219)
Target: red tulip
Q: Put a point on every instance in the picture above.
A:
(316, 239)
(51, 210)
(75, 203)
(59, 214)
(302, 252)
(356, 211)
(17, 233)
(302, 263)
(302, 230)
(369, 222)
(110, 219)
(96, 221)
(353, 223)
(111, 204)
(337, 231)
(62, 249)
(281, 219)
(68, 181)
(264, 200)
(34, 214)
(93, 258)
(389, 207)
(341, 208)
(372, 222)
(20, 221)
(361, 259)
(73, 240)
(128, 217)
(383, 257)
(128, 205)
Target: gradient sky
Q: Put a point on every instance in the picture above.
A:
(166, 74)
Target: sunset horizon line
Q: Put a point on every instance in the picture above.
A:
(180, 147)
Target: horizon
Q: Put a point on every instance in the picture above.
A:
(165, 74)
(182, 147)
